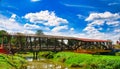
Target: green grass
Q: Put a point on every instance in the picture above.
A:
(46, 54)
(87, 61)
(10, 61)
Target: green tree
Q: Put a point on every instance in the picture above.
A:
(18, 39)
(3, 32)
(39, 32)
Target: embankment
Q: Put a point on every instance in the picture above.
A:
(84, 61)
(11, 62)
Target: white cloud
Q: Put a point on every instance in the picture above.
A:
(81, 16)
(114, 3)
(115, 23)
(35, 0)
(31, 26)
(59, 28)
(117, 30)
(98, 22)
(46, 18)
(7, 24)
(71, 29)
(28, 32)
(80, 6)
(91, 30)
(12, 26)
(28, 26)
(104, 16)
(12, 18)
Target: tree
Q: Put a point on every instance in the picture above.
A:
(39, 32)
(3, 32)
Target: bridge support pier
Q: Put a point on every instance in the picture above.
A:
(35, 55)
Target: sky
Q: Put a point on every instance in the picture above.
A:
(96, 19)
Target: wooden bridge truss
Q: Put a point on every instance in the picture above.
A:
(37, 43)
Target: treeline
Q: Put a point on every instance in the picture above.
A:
(13, 40)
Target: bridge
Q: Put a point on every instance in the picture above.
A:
(36, 43)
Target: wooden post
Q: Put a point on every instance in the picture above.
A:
(20, 42)
(47, 42)
(9, 44)
(2, 45)
(26, 42)
(35, 43)
(30, 43)
(40, 43)
(35, 55)
(55, 44)
(61, 44)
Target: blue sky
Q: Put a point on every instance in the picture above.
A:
(98, 19)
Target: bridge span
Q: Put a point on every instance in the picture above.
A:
(36, 43)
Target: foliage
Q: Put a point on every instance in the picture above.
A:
(10, 61)
(2, 32)
(39, 32)
(117, 53)
(46, 54)
(88, 61)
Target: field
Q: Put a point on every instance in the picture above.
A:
(70, 59)
(85, 61)
(10, 61)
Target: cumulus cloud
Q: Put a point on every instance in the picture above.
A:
(59, 28)
(46, 18)
(35, 0)
(98, 22)
(12, 26)
(12, 18)
(71, 29)
(28, 32)
(115, 23)
(90, 30)
(31, 26)
(104, 16)
(117, 30)
(8, 24)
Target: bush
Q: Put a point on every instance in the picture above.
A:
(88, 61)
(10, 61)
(117, 53)
(47, 54)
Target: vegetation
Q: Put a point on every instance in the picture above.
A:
(2, 32)
(11, 62)
(86, 61)
(39, 32)
(14, 40)
(47, 54)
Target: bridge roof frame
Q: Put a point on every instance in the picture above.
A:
(60, 37)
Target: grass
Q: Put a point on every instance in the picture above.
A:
(87, 61)
(10, 61)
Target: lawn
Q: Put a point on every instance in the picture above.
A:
(10, 61)
(86, 61)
